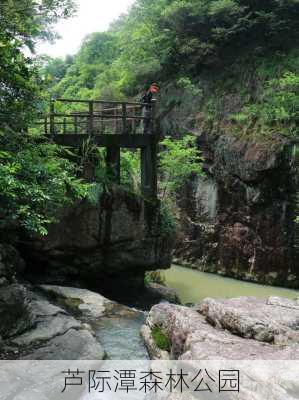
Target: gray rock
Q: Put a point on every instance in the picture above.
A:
(42, 308)
(15, 313)
(11, 262)
(56, 335)
(193, 338)
(72, 345)
(88, 303)
(47, 328)
(249, 317)
(283, 302)
(163, 292)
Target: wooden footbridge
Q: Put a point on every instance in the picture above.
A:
(110, 124)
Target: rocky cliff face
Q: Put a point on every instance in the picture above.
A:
(239, 219)
(110, 244)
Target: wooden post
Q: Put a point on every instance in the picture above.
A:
(124, 118)
(90, 118)
(102, 126)
(113, 163)
(64, 126)
(153, 118)
(52, 118)
(115, 120)
(149, 170)
(134, 121)
(76, 123)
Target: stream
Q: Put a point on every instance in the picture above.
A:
(120, 337)
(119, 334)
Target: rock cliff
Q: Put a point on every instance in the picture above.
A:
(238, 220)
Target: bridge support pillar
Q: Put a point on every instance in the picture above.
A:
(149, 170)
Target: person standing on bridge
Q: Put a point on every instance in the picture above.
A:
(147, 100)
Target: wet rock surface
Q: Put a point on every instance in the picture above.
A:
(243, 328)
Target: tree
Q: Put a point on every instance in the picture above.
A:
(22, 23)
(36, 179)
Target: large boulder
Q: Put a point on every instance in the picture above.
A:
(160, 292)
(274, 320)
(15, 313)
(115, 240)
(11, 264)
(15, 310)
(239, 329)
(54, 334)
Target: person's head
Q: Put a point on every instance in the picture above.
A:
(154, 88)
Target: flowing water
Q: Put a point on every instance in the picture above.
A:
(192, 286)
(120, 336)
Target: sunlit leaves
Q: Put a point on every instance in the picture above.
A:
(179, 159)
(35, 182)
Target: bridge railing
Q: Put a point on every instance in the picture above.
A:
(95, 117)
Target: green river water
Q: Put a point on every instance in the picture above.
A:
(120, 334)
(192, 286)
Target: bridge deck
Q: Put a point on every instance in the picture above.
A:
(103, 140)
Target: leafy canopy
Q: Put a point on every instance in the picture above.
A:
(22, 23)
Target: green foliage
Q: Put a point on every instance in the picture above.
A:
(22, 23)
(155, 277)
(130, 170)
(277, 110)
(225, 63)
(35, 182)
(179, 159)
(168, 222)
(161, 339)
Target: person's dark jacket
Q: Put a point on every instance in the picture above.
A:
(147, 98)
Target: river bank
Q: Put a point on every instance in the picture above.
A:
(72, 323)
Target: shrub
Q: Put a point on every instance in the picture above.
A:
(161, 339)
(179, 159)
